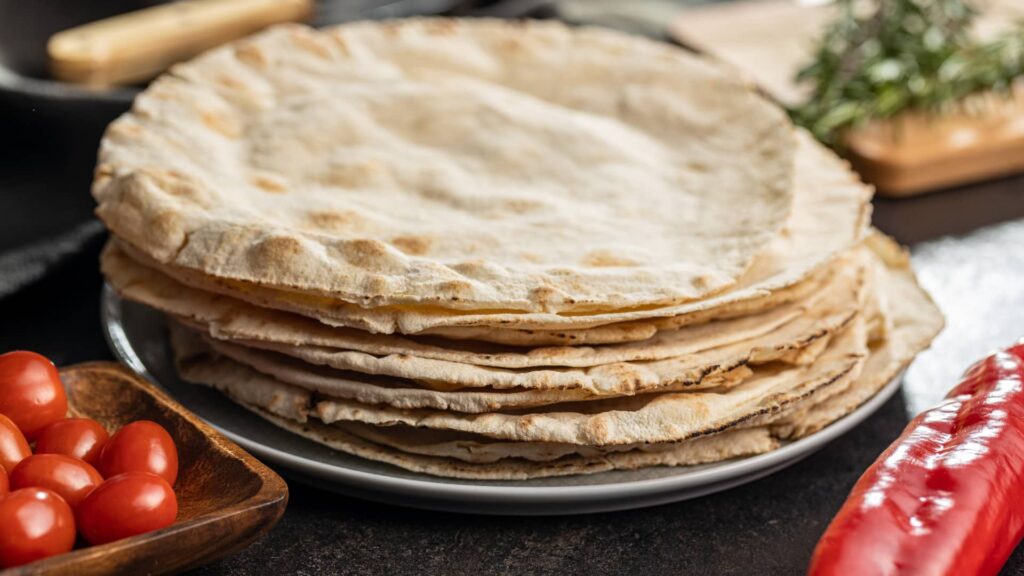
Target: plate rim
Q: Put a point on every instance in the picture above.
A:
(733, 472)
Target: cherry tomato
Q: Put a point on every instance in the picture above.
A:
(31, 393)
(34, 524)
(70, 478)
(13, 446)
(78, 437)
(141, 446)
(5, 485)
(126, 505)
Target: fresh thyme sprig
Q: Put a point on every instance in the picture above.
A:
(900, 55)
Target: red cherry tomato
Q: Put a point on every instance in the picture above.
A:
(77, 437)
(127, 505)
(70, 478)
(5, 486)
(141, 446)
(13, 446)
(31, 393)
(34, 524)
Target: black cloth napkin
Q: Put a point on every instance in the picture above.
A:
(22, 267)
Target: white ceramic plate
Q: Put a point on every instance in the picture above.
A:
(138, 337)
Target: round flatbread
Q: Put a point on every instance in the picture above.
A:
(666, 417)
(458, 164)
(230, 319)
(723, 446)
(356, 374)
(915, 321)
(831, 212)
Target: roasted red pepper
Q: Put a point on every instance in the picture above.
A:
(948, 496)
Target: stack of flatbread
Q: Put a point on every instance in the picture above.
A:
(495, 250)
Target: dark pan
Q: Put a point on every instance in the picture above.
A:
(27, 95)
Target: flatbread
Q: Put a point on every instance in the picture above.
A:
(614, 379)
(230, 319)
(360, 163)
(793, 342)
(915, 322)
(648, 418)
(665, 417)
(124, 265)
(479, 449)
(649, 266)
(831, 212)
(714, 448)
(209, 360)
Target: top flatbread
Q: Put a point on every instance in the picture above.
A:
(463, 164)
(830, 214)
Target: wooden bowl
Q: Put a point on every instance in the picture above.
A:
(227, 499)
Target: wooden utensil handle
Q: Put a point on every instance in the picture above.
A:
(136, 46)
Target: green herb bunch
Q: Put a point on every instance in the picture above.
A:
(899, 55)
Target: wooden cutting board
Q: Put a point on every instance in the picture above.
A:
(769, 40)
